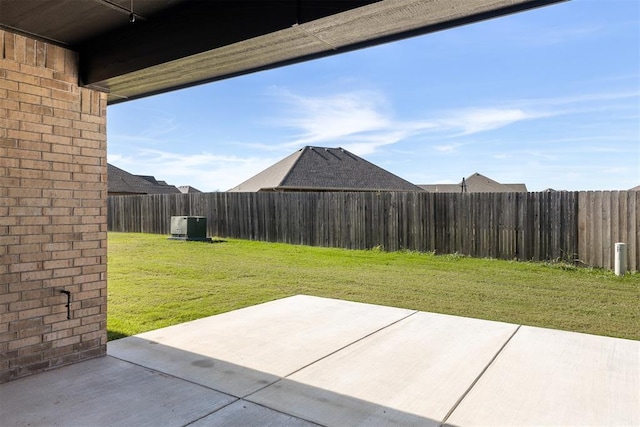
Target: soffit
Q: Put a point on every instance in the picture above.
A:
(180, 43)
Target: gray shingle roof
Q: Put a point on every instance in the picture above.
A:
(122, 182)
(325, 169)
(476, 183)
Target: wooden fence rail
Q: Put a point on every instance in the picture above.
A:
(566, 226)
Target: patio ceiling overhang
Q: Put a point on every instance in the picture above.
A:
(180, 43)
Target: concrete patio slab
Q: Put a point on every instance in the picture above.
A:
(105, 392)
(243, 413)
(305, 361)
(242, 351)
(411, 373)
(550, 377)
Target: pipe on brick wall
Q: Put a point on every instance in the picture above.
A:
(68, 294)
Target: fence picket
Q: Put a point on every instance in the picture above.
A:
(531, 226)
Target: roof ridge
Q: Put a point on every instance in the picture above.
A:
(293, 165)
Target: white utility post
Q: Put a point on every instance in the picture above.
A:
(621, 259)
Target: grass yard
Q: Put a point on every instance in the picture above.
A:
(155, 282)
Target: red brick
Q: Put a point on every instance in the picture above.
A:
(37, 238)
(32, 179)
(94, 269)
(27, 69)
(35, 220)
(19, 230)
(24, 117)
(36, 127)
(57, 335)
(8, 202)
(64, 95)
(33, 202)
(90, 311)
(32, 332)
(57, 157)
(44, 175)
(66, 341)
(36, 109)
(24, 192)
(66, 272)
(59, 141)
(34, 146)
(21, 77)
(66, 220)
(15, 154)
(36, 312)
(25, 97)
(23, 249)
(35, 256)
(37, 293)
(23, 324)
(86, 330)
(66, 254)
(59, 321)
(58, 264)
(9, 279)
(9, 298)
(25, 360)
(24, 342)
(34, 89)
(57, 211)
(56, 84)
(7, 84)
(98, 318)
(86, 261)
(56, 176)
(86, 278)
(17, 286)
(66, 114)
(24, 266)
(25, 305)
(21, 134)
(58, 351)
(64, 131)
(35, 275)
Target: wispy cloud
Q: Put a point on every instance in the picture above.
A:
(363, 121)
(330, 117)
(475, 120)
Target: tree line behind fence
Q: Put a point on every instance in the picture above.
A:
(580, 227)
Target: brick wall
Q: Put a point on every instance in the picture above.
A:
(53, 193)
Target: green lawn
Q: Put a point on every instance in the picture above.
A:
(156, 282)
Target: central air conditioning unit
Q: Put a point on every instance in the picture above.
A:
(192, 228)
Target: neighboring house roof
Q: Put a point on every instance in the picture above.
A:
(122, 182)
(188, 189)
(636, 188)
(476, 183)
(325, 169)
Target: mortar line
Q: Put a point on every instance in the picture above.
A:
(464, 395)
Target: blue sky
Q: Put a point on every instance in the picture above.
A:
(549, 98)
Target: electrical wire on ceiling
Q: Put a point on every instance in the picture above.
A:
(133, 17)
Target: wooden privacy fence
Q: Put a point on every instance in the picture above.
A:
(568, 226)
